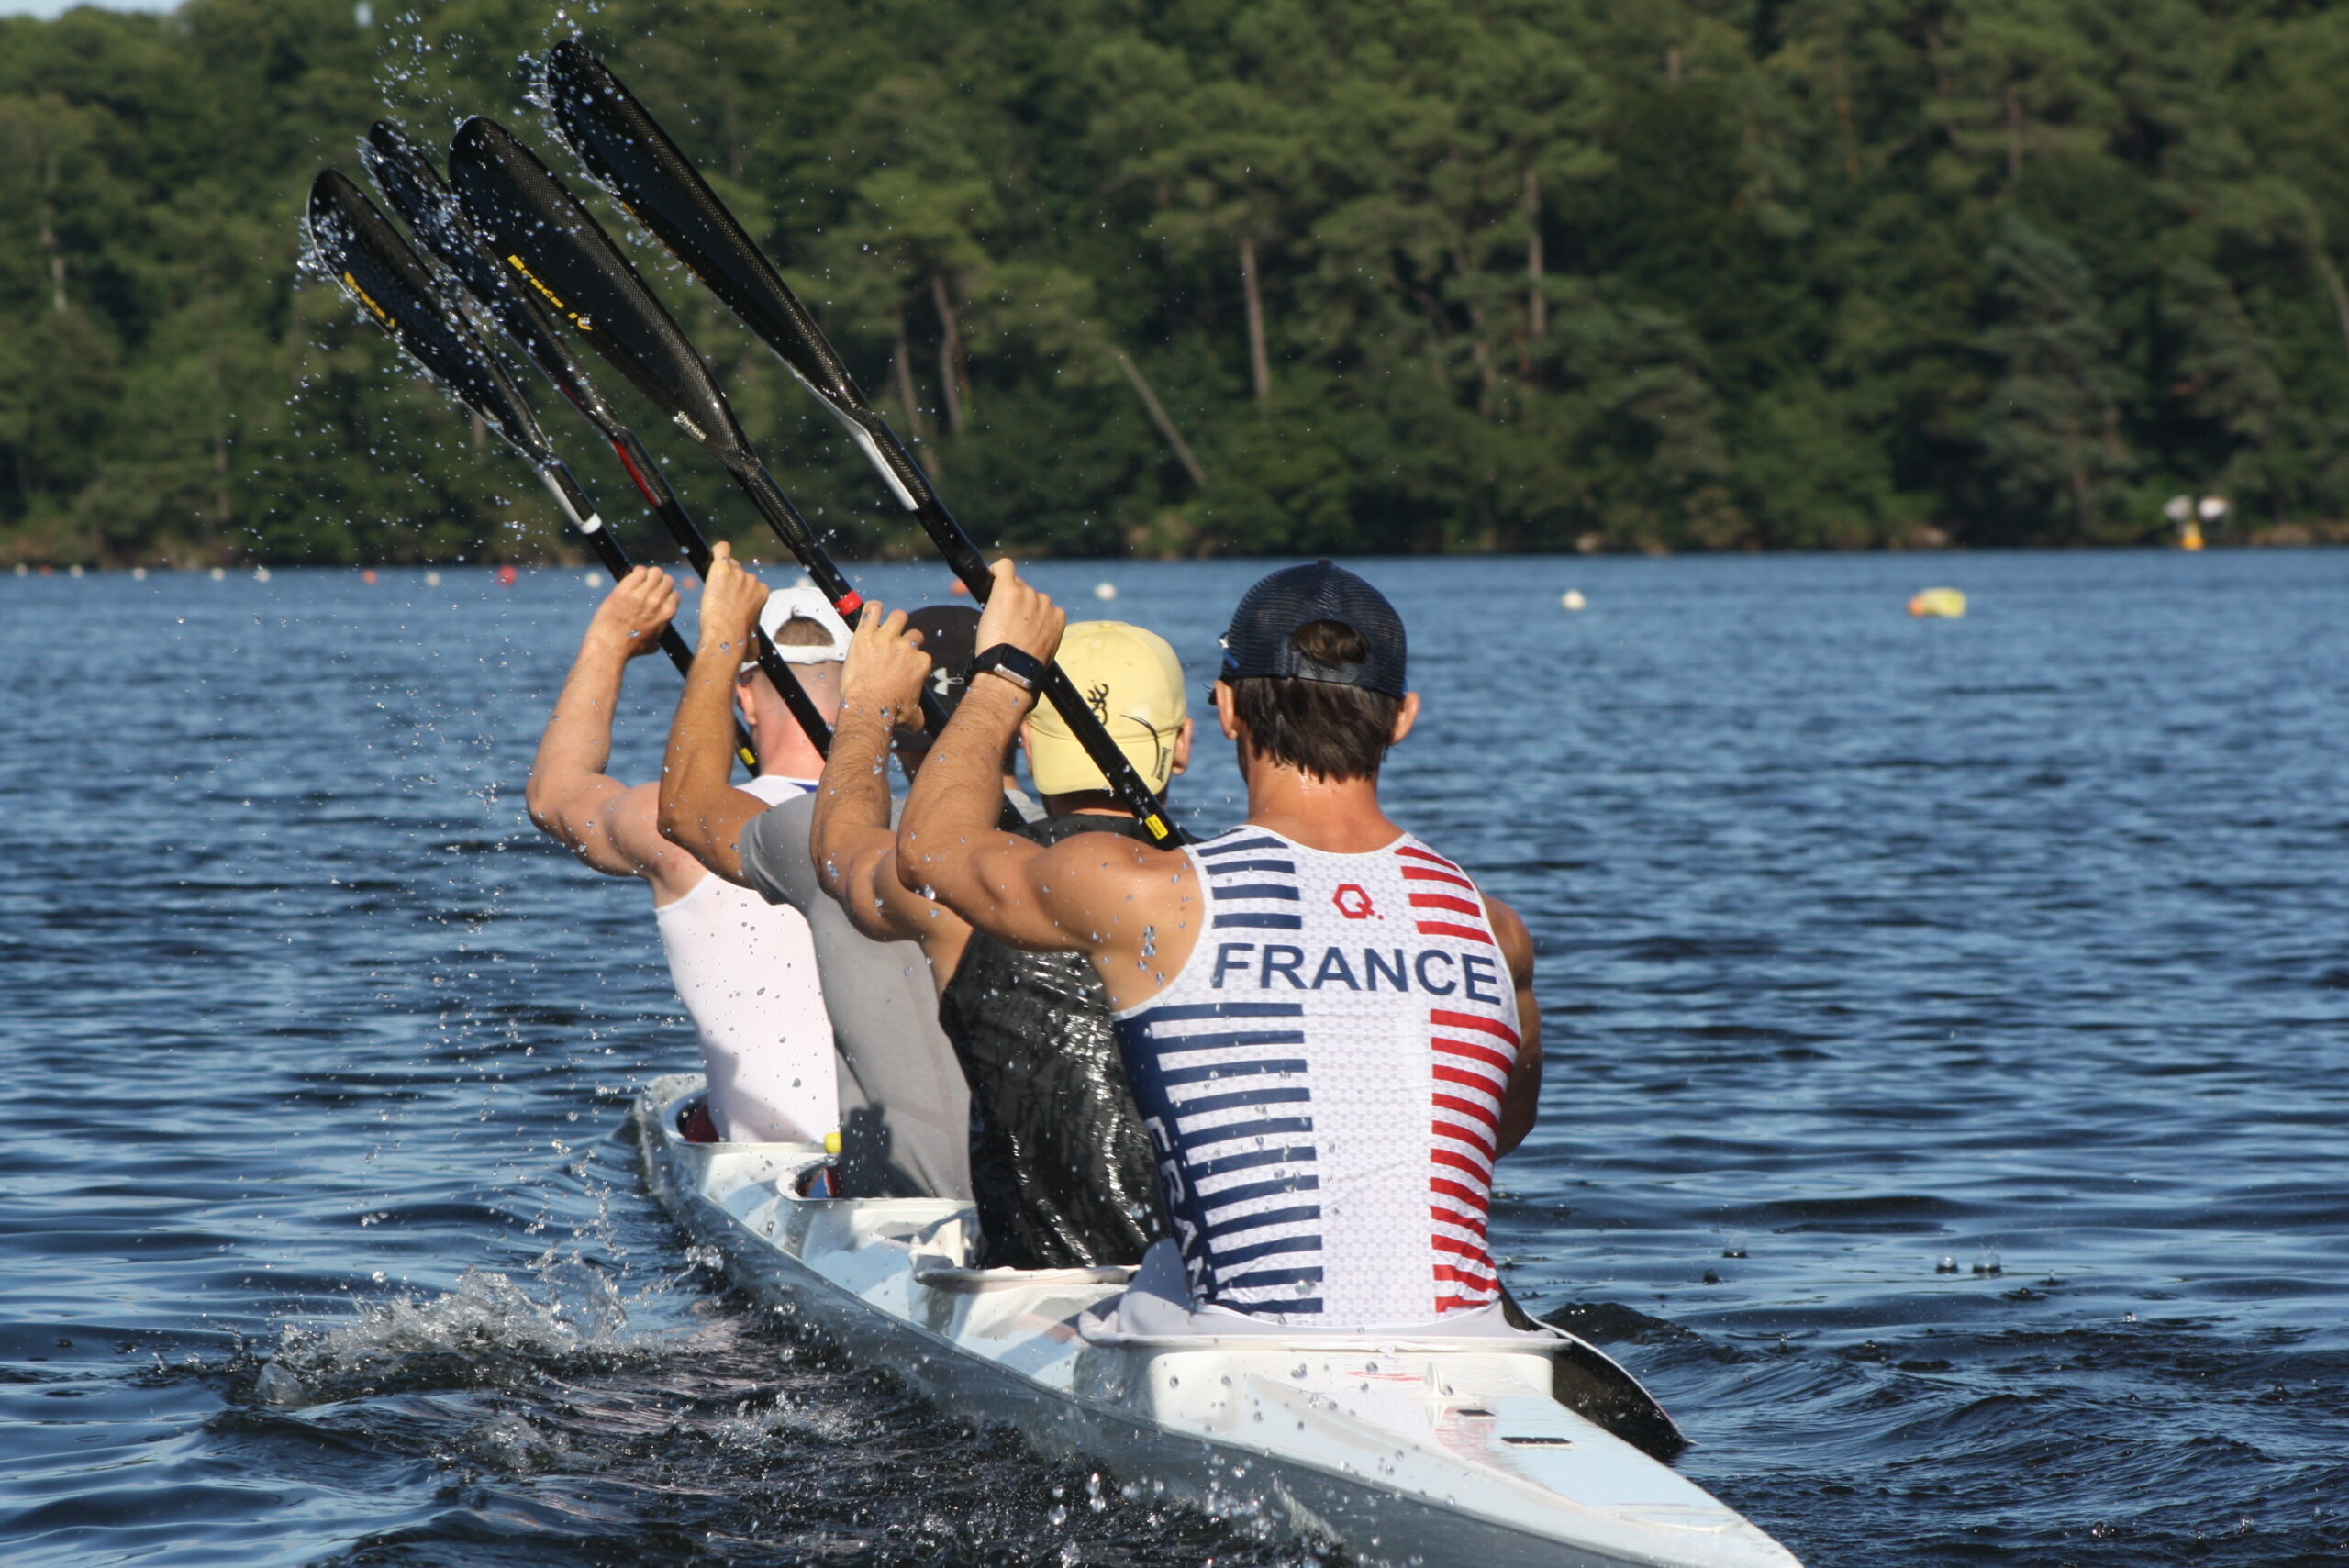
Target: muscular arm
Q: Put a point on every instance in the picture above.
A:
(854, 848)
(701, 812)
(1132, 908)
(1522, 1104)
(571, 797)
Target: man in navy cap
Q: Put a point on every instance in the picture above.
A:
(1330, 1031)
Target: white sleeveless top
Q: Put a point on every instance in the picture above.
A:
(745, 970)
(1322, 1081)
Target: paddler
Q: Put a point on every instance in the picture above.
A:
(1062, 1171)
(904, 1113)
(744, 969)
(1329, 1030)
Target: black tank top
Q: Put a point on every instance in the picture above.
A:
(1060, 1169)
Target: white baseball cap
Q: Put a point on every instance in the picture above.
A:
(803, 602)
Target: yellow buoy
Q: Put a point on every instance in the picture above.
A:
(1946, 603)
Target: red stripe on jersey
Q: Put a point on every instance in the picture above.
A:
(1465, 933)
(1445, 901)
(1453, 1103)
(1444, 1216)
(1459, 1161)
(1481, 1142)
(1443, 1186)
(1448, 1215)
(1468, 1249)
(1472, 1021)
(1452, 1274)
(1481, 1082)
(1418, 854)
(1419, 873)
(1499, 1062)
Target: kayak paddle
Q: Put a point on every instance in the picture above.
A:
(405, 175)
(356, 245)
(625, 150)
(558, 249)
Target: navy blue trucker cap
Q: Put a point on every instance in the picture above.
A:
(1260, 642)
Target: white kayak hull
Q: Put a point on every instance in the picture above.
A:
(1407, 1453)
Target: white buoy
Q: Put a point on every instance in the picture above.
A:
(1105, 592)
(432, 578)
(261, 574)
(593, 578)
(138, 575)
(218, 572)
(23, 569)
(1572, 598)
(75, 571)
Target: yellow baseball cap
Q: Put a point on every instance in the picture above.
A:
(1133, 682)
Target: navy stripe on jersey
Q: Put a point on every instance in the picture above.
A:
(1252, 1159)
(1237, 1037)
(1266, 1217)
(1296, 1094)
(1191, 1012)
(1232, 1069)
(1280, 1187)
(1215, 846)
(1223, 1088)
(1272, 1249)
(1264, 1128)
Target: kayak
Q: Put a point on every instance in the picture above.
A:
(1416, 1452)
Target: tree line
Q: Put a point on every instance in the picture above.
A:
(1248, 275)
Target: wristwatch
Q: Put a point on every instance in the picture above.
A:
(1018, 666)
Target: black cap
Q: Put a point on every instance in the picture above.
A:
(950, 635)
(1260, 642)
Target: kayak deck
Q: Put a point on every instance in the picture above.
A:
(1403, 1451)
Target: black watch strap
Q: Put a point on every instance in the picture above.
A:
(1018, 666)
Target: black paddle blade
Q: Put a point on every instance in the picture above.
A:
(629, 152)
(404, 173)
(554, 246)
(357, 245)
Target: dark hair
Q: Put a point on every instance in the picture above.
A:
(804, 631)
(1320, 727)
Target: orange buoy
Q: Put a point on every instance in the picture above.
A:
(508, 576)
(367, 576)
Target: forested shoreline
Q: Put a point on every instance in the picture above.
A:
(1246, 277)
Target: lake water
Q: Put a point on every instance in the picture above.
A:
(1947, 1114)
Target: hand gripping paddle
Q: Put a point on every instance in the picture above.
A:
(403, 172)
(357, 246)
(557, 250)
(635, 160)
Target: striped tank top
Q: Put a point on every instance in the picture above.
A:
(1323, 1084)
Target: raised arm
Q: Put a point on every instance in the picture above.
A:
(570, 797)
(854, 848)
(701, 811)
(1522, 1104)
(1132, 908)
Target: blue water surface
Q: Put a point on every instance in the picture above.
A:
(1948, 1109)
